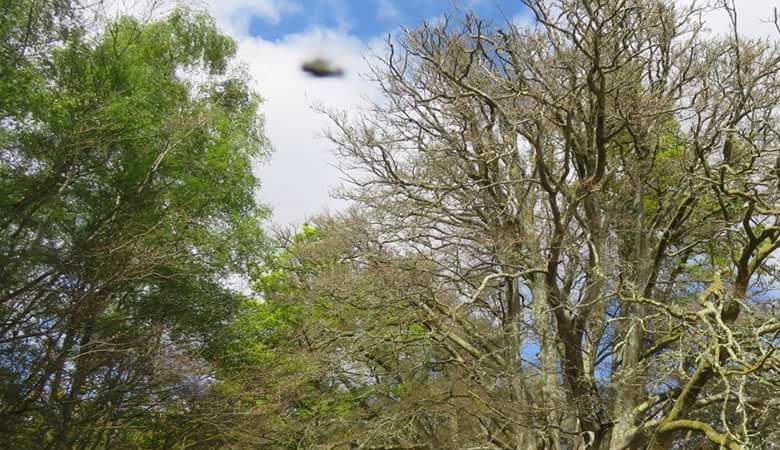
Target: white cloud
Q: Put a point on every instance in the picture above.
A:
(234, 15)
(754, 18)
(297, 180)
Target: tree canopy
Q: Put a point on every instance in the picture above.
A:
(127, 203)
(562, 236)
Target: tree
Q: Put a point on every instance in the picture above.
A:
(359, 364)
(595, 199)
(127, 203)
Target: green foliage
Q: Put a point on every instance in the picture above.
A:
(127, 202)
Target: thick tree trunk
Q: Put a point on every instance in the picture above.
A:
(552, 397)
(628, 388)
(630, 375)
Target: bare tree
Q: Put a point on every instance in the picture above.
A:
(597, 198)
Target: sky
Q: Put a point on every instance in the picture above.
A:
(275, 36)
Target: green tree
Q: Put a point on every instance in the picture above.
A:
(127, 204)
(362, 362)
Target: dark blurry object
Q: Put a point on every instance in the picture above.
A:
(321, 68)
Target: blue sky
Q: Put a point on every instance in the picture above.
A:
(366, 19)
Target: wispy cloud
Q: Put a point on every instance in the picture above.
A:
(235, 15)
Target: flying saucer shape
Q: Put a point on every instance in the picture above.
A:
(321, 68)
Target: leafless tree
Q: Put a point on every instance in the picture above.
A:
(596, 197)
